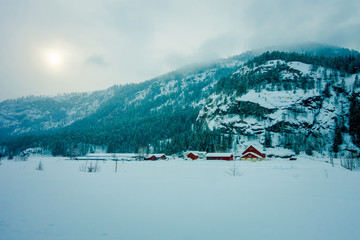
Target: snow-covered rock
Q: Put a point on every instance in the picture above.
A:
(296, 113)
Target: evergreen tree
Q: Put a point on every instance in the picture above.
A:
(326, 92)
(268, 140)
(354, 121)
(337, 136)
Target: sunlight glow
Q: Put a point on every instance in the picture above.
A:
(54, 58)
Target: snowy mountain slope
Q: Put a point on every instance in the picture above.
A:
(32, 114)
(189, 86)
(275, 99)
(185, 87)
(304, 105)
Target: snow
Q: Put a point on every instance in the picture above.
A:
(200, 154)
(139, 96)
(219, 155)
(231, 118)
(302, 67)
(277, 99)
(167, 88)
(19, 113)
(278, 151)
(303, 112)
(251, 154)
(280, 101)
(272, 199)
(349, 82)
(201, 103)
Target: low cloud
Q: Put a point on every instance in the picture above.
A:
(96, 60)
(131, 41)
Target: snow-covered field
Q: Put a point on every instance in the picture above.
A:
(274, 199)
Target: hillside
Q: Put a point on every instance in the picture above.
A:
(34, 114)
(291, 105)
(120, 118)
(274, 99)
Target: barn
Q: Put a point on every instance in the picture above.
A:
(220, 156)
(154, 157)
(195, 155)
(252, 154)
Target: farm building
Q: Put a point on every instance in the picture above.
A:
(252, 154)
(155, 157)
(195, 155)
(220, 156)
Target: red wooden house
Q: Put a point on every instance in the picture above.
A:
(220, 156)
(251, 153)
(195, 155)
(192, 156)
(155, 157)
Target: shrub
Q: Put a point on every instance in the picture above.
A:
(40, 167)
(90, 168)
(350, 163)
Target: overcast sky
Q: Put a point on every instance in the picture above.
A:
(49, 47)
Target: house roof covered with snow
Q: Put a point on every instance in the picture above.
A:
(252, 149)
(157, 155)
(219, 155)
(251, 155)
(197, 153)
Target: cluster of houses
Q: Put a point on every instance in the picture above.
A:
(121, 156)
(251, 153)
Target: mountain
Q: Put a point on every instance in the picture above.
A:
(33, 114)
(286, 104)
(312, 49)
(273, 99)
(135, 112)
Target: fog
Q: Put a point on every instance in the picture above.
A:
(102, 43)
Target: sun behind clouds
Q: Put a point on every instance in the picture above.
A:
(54, 58)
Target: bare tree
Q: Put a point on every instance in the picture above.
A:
(234, 170)
(141, 152)
(331, 158)
(115, 158)
(351, 162)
